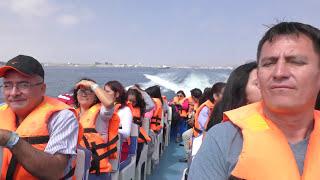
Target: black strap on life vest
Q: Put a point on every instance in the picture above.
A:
(137, 121)
(197, 130)
(98, 146)
(11, 168)
(14, 162)
(96, 158)
(69, 174)
(143, 138)
(90, 130)
(156, 123)
(235, 178)
(157, 118)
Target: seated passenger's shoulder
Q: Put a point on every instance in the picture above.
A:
(66, 113)
(224, 133)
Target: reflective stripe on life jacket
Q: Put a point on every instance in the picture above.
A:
(155, 123)
(266, 153)
(196, 128)
(33, 129)
(101, 149)
(137, 119)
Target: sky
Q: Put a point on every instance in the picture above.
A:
(150, 32)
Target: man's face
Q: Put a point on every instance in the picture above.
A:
(289, 74)
(22, 93)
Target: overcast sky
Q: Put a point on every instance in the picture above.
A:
(152, 32)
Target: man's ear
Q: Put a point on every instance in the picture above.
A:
(44, 88)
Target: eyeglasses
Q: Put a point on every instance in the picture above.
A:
(22, 86)
(85, 92)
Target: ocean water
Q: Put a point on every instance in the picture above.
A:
(62, 79)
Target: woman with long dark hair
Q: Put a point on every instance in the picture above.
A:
(124, 113)
(241, 89)
(155, 94)
(140, 103)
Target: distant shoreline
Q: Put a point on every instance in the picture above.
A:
(132, 66)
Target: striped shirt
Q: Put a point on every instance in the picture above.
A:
(63, 130)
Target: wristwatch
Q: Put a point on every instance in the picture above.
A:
(13, 140)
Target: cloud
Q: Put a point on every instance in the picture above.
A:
(38, 11)
(27, 8)
(68, 19)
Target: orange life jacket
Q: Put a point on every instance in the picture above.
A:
(155, 123)
(136, 113)
(193, 105)
(183, 113)
(33, 129)
(196, 128)
(266, 153)
(92, 140)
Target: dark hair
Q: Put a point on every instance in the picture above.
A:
(291, 28)
(216, 89)
(234, 94)
(317, 106)
(154, 92)
(117, 87)
(139, 100)
(181, 92)
(196, 93)
(75, 91)
(205, 96)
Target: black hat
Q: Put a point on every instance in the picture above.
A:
(25, 65)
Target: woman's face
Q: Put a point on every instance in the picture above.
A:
(218, 96)
(252, 90)
(86, 97)
(180, 96)
(132, 98)
(110, 93)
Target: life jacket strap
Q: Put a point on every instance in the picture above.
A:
(69, 174)
(157, 118)
(197, 130)
(156, 123)
(11, 168)
(90, 130)
(37, 139)
(95, 162)
(14, 162)
(137, 121)
(109, 143)
(234, 178)
(143, 138)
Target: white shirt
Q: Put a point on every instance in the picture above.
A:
(125, 116)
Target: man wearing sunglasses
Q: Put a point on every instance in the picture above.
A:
(39, 133)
